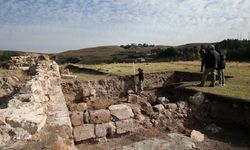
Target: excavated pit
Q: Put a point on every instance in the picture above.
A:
(107, 114)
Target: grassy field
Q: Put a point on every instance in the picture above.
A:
(238, 86)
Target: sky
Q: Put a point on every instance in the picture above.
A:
(59, 25)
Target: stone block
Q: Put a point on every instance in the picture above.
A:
(76, 118)
(84, 132)
(99, 116)
(125, 126)
(121, 112)
(82, 107)
(105, 129)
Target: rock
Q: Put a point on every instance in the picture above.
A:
(99, 116)
(132, 98)
(2, 120)
(181, 141)
(105, 129)
(197, 136)
(76, 118)
(152, 99)
(213, 128)
(146, 108)
(137, 113)
(86, 117)
(101, 140)
(82, 107)
(84, 132)
(73, 107)
(172, 142)
(121, 112)
(131, 92)
(171, 106)
(162, 100)
(182, 104)
(159, 108)
(197, 99)
(125, 126)
(20, 134)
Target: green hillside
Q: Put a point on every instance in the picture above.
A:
(104, 54)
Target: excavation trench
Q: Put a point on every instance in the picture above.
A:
(108, 110)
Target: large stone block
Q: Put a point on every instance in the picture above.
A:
(84, 132)
(100, 116)
(121, 112)
(76, 118)
(125, 126)
(105, 129)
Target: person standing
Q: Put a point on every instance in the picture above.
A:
(141, 79)
(202, 55)
(220, 69)
(211, 60)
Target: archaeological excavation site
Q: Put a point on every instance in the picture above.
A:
(51, 110)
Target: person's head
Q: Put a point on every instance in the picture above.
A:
(139, 69)
(211, 47)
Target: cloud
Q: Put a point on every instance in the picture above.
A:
(59, 25)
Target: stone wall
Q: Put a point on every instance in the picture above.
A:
(101, 123)
(27, 112)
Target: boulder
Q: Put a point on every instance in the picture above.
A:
(197, 136)
(146, 108)
(125, 126)
(76, 118)
(159, 108)
(84, 132)
(99, 116)
(171, 106)
(162, 100)
(105, 129)
(121, 112)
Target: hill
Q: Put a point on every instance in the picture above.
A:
(105, 54)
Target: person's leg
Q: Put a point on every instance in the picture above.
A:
(142, 85)
(222, 77)
(204, 76)
(202, 65)
(213, 77)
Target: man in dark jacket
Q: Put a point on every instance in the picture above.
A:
(211, 60)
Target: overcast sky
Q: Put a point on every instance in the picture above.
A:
(58, 25)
